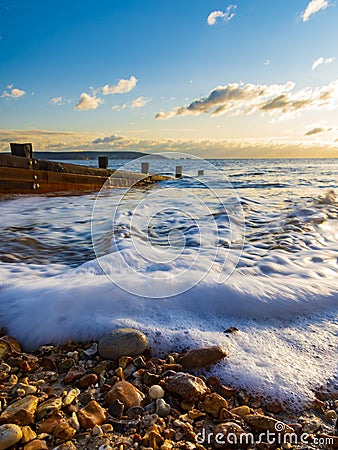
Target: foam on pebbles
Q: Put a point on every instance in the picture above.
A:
(82, 400)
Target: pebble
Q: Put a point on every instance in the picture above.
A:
(27, 434)
(74, 373)
(266, 423)
(48, 425)
(91, 415)
(122, 342)
(21, 412)
(71, 396)
(9, 344)
(330, 416)
(135, 412)
(97, 431)
(37, 444)
(64, 431)
(49, 407)
(187, 386)
(156, 392)
(10, 434)
(126, 392)
(162, 408)
(241, 411)
(214, 403)
(203, 357)
(26, 388)
(91, 351)
(116, 408)
(65, 446)
(87, 380)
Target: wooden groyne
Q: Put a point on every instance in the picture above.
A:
(25, 174)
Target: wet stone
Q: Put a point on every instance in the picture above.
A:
(122, 342)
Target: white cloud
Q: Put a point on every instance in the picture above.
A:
(121, 87)
(244, 99)
(313, 7)
(267, 62)
(226, 15)
(108, 139)
(88, 102)
(322, 60)
(139, 102)
(120, 107)
(13, 92)
(57, 101)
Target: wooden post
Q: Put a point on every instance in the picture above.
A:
(24, 150)
(200, 173)
(179, 172)
(144, 167)
(103, 162)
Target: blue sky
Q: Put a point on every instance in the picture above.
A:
(207, 76)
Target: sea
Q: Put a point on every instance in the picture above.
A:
(245, 245)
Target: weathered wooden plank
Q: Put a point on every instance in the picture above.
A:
(23, 175)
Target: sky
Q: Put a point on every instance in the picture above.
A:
(209, 77)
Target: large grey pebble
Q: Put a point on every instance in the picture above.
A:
(122, 342)
(10, 434)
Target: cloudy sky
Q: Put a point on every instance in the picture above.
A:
(210, 77)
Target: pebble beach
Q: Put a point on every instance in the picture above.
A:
(114, 394)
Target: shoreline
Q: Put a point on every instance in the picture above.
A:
(71, 397)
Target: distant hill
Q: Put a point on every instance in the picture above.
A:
(92, 155)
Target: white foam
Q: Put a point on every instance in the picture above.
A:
(279, 354)
(283, 295)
